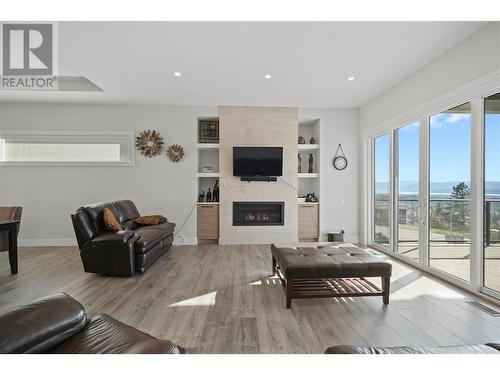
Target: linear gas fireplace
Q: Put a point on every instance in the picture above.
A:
(258, 213)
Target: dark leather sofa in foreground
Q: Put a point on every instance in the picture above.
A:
(123, 252)
(58, 324)
(491, 348)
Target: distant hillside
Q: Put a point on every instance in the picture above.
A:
(491, 188)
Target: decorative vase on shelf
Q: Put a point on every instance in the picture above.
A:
(312, 141)
(201, 198)
(301, 140)
(311, 161)
(209, 196)
(215, 193)
(299, 169)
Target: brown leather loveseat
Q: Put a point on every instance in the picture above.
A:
(58, 324)
(123, 252)
(491, 348)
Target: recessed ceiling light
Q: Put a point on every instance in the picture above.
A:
(267, 76)
(177, 74)
(351, 78)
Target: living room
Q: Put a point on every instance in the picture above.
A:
(241, 188)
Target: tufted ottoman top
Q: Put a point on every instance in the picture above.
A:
(328, 260)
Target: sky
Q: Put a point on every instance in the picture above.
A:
(450, 156)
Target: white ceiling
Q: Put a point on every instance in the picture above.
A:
(225, 63)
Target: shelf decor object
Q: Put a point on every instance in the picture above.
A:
(312, 141)
(208, 132)
(311, 162)
(149, 143)
(301, 140)
(175, 153)
(339, 159)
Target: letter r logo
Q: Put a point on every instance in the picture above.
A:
(27, 49)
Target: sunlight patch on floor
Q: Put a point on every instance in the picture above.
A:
(422, 287)
(203, 300)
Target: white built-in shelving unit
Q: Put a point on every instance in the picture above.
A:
(309, 182)
(208, 156)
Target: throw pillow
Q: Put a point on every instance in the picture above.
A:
(148, 220)
(110, 220)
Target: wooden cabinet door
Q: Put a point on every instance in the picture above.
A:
(208, 221)
(309, 222)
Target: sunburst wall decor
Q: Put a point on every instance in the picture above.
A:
(149, 143)
(175, 153)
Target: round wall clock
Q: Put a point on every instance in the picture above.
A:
(339, 159)
(340, 163)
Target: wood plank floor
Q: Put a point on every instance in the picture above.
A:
(221, 299)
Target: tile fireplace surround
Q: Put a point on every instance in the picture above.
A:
(258, 213)
(258, 127)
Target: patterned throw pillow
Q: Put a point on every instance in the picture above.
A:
(148, 220)
(110, 220)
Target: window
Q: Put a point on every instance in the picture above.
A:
(450, 188)
(408, 196)
(382, 190)
(491, 251)
(62, 148)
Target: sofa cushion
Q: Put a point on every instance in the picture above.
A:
(149, 220)
(105, 335)
(110, 220)
(165, 227)
(149, 236)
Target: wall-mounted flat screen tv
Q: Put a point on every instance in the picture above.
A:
(257, 161)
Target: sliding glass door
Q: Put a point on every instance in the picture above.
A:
(382, 189)
(407, 190)
(449, 188)
(491, 224)
(436, 181)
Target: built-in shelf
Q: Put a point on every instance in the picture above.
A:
(308, 147)
(208, 146)
(308, 175)
(211, 174)
(201, 203)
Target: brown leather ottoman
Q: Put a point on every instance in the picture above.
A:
(320, 270)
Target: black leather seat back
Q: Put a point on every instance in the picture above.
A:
(126, 210)
(96, 216)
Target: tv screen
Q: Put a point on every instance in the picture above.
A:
(257, 161)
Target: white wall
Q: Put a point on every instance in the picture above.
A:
(340, 190)
(475, 56)
(50, 194)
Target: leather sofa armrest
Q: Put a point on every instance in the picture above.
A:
(38, 326)
(110, 253)
(107, 239)
(105, 335)
(494, 345)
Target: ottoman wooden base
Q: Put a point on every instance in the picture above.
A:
(331, 288)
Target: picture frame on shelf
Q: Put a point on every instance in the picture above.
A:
(208, 131)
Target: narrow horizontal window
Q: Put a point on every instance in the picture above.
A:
(29, 148)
